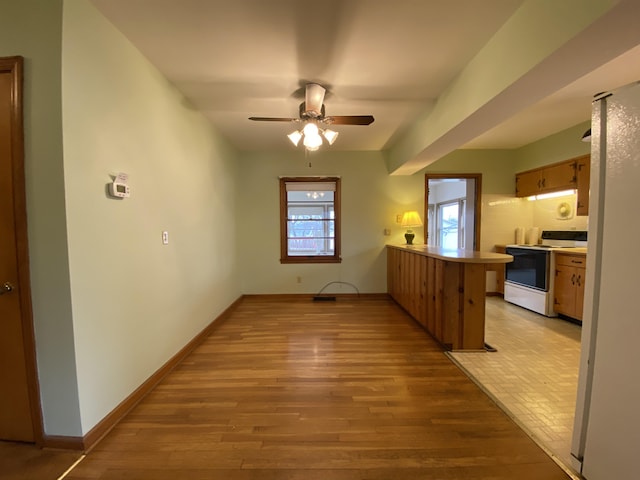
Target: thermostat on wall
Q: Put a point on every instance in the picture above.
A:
(119, 187)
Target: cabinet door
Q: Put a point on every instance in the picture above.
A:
(557, 177)
(583, 174)
(580, 278)
(528, 183)
(564, 295)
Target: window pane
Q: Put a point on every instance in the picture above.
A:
(310, 246)
(308, 228)
(449, 225)
(311, 223)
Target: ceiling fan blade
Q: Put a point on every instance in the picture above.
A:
(350, 120)
(314, 97)
(273, 119)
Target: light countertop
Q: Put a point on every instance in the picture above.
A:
(454, 255)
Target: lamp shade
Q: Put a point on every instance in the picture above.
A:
(330, 135)
(295, 137)
(411, 219)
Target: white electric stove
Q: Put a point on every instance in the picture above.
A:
(529, 282)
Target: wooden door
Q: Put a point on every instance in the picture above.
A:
(19, 413)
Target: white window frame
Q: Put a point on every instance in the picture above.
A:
(461, 202)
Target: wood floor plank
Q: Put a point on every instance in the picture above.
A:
(287, 389)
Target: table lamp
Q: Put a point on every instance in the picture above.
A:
(409, 220)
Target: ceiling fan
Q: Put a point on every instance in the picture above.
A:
(312, 114)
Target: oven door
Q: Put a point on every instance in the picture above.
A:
(529, 268)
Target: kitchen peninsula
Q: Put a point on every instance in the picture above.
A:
(443, 290)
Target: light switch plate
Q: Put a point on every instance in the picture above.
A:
(165, 238)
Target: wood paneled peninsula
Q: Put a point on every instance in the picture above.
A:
(443, 290)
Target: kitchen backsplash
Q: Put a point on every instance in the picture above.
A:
(501, 214)
(550, 214)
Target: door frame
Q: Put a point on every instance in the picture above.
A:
(476, 200)
(14, 66)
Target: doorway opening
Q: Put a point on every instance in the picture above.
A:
(452, 210)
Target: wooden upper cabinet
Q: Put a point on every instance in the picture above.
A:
(551, 178)
(570, 174)
(528, 183)
(583, 173)
(559, 176)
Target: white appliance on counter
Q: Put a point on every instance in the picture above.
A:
(606, 431)
(529, 278)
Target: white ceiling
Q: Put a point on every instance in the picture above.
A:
(392, 59)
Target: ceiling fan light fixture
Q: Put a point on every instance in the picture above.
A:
(310, 129)
(314, 96)
(295, 137)
(330, 135)
(312, 142)
(312, 116)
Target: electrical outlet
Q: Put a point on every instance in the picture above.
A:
(387, 232)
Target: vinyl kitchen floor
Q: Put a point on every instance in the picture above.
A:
(534, 373)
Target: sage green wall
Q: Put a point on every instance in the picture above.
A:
(371, 199)
(554, 148)
(496, 166)
(137, 302)
(33, 30)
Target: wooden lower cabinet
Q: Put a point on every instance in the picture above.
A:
(568, 290)
(445, 297)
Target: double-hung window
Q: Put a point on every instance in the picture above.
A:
(451, 224)
(309, 220)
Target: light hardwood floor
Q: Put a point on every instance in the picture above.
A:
(301, 390)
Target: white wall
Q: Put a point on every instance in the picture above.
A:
(135, 301)
(371, 199)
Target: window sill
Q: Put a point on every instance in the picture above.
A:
(311, 259)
